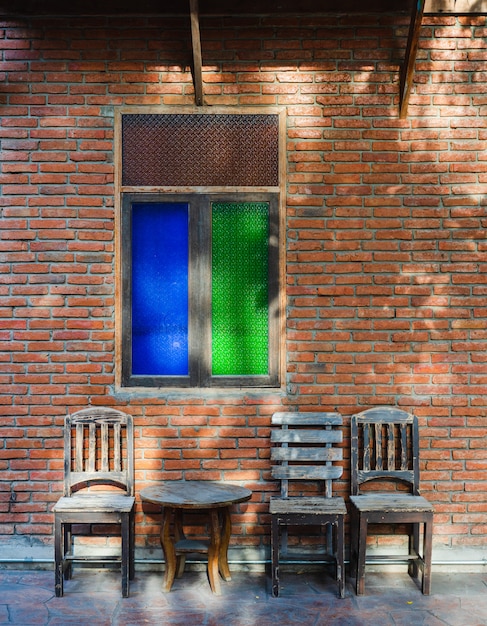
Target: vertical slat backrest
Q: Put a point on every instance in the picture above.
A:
(385, 445)
(98, 449)
(304, 448)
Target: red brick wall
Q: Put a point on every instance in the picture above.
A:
(386, 247)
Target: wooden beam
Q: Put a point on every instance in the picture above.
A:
(407, 69)
(197, 58)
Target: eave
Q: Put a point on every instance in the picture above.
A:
(197, 8)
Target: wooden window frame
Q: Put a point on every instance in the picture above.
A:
(199, 337)
(123, 382)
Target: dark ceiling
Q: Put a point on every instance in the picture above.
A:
(206, 7)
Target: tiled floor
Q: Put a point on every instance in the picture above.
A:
(93, 598)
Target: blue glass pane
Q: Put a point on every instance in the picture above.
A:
(160, 289)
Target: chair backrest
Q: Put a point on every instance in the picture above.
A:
(98, 450)
(304, 449)
(384, 445)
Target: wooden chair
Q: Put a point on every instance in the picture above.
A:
(385, 447)
(98, 488)
(305, 453)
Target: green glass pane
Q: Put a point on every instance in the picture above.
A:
(240, 285)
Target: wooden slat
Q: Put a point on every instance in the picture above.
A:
(385, 415)
(378, 447)
(305, 472)
(284, 481)
(79, 448)
(104, 448)
(391, 447)
(306, 454)
(117, 461)
(307, 436)
(366, 442)
(406, 475)
(307, 419)
(109, 476)
(197, 57)
(407, 70)
(91, 447)
(404, 446)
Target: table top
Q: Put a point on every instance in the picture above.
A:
(195, 494)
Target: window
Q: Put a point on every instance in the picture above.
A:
(199, 249)
(200, 289)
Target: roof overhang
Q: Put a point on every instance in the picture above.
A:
(236, 7)
(194, 9)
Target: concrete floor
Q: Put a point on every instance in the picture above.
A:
(93, 598)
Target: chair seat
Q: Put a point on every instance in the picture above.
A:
(102, 502)
(308, 506)
(393, 502)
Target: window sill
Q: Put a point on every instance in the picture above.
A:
(175, 394)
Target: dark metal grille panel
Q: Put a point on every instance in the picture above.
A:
(200, 150)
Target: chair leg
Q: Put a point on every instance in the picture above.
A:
(68, 549)
(125, 540)
(361, 549)
(340, 556)
(427, 553)
(132, 547)
(354, 542)
(413, 568)
(275, 555)
(58, 556)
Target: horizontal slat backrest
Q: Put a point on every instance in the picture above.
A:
(98, 449)
(304, 449)
(307, 419)
(298, 472)
(306, 436)
(317, 455)
(385, 446)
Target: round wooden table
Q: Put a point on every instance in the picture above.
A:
(177, 496)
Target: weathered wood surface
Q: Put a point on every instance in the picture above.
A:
(98, 449)
(197, 56)
(94, 502)
(216, 498)
(307, 419)
(391, 502)
(385, 447)
(306, 436)
(303, 451)
(307, 505)
(98, 455)
(195, 494)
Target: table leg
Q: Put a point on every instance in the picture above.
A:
(214, 552)
(225, 540)
(179, 536)
(168, 548)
